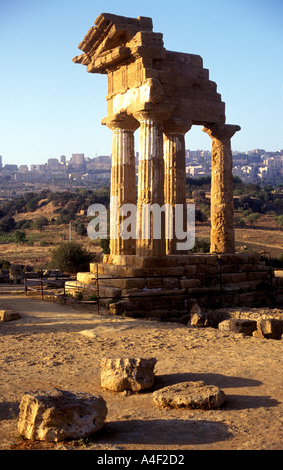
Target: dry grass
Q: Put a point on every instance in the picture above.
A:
(36, 252)
(263, 236)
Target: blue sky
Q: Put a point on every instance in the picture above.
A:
(50, 106)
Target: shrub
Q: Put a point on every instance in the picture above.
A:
(104, 244)
(20, 236)
(80, 228)
(40, 223)
(70, 257)
(252, 218)
(274, 262)
(7, 224)
(239, 222)
(4, 264)
(32, 204)
(279, 220)
(201, 246)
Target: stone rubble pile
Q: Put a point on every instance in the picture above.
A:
(259, 326)
(57, 415)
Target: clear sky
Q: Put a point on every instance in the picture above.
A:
(50, 106)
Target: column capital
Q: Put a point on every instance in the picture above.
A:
(221, 131)
(160, 112)
(176, 126)
(120, 121)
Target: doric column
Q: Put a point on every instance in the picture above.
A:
(123, 180)
(175, 178)
(150, 224)
(222, 237)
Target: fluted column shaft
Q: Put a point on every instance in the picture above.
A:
(222, 236)
(150, 187)
(175, 179)
(123, 182)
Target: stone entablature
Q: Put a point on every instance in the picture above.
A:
(141, 73)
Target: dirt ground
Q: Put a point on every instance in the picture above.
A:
(55, 345)
(265, 237)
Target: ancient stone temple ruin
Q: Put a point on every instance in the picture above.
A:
(163, 94)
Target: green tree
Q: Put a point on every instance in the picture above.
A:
(70, 257)
(279, 220)
(80, 228)
(40, 223)
(201, 246)
(252, 218)
(105, 245)
(20, 237)
(32, 204)
(7, 224)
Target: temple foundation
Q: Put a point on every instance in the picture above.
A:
(165, 288)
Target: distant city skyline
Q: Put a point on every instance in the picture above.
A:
(76, 158)
(52, 107)
(253, 166)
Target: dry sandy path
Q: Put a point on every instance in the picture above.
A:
(53, 345)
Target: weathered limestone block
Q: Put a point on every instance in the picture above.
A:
(134, 374)
(191, 270)
(170, 283)
(237, 325)
(271, 328)
(189, 283)
(9, 315)
(124, 283)
(116, 308)
(189, 395)
(108, 293)
(86, 278)
(198, 319)
(197, 316)
(74, 288)
(57, 415)
(154, 283)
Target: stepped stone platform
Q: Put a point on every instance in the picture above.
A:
(167, 287)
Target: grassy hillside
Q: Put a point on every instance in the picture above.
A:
(31, 226)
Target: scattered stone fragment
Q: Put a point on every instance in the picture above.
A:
(189, 395)
(9, 315)
(239, 325)
(197, 316)
(271, 328)
(127, 374)
(198, 319)
(57, 415)
(116, 308)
